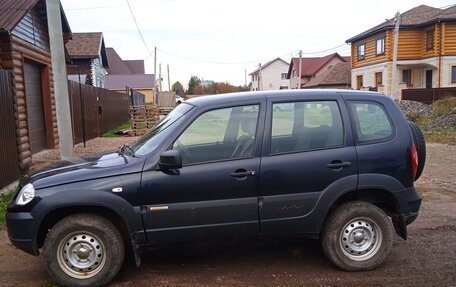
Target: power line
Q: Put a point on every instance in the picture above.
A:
(323, 51)
(94, 7)
(216, 62)
(113, 6)
(137, 27)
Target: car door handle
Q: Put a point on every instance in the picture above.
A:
(243, 173)
(336, 164)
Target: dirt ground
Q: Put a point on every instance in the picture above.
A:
(428, 258)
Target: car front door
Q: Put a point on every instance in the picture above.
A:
(215, 193)
(309, 157)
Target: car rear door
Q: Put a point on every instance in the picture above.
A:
(309, 157)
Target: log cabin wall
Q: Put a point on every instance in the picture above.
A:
(29, 42)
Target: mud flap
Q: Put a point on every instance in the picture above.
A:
(136, 253)
(400, 226)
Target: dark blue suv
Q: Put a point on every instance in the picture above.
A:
(329, 164)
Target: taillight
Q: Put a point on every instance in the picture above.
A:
(414, 161)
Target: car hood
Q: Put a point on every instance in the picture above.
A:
(86, 168)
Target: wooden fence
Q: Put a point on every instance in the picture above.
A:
(428, 96)
(96, 110)
(9, 160)
(143, 118)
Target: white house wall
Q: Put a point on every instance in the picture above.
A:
(271, 77)
(418, 67)
(368, 74)
(447, 63)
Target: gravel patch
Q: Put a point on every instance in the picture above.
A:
(442, 123)
(414, 110)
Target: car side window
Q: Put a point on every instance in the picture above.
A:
(301, 126)
(371, 121)
(220, 134)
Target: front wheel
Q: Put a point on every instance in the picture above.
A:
(357, 236)
(83, 250)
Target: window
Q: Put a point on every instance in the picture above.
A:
(378, 79)
(407, 77)
(359, 82)
(371, 121)
(219, 134)
(361, 51)
(304, 126)
(429, 40)
(380, 46)
(284, 87)
(453, 74)
(284, 76)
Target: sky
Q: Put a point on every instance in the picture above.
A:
(222, 40)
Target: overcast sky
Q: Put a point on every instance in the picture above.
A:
(218, 40)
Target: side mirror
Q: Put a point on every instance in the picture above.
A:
(170, 159)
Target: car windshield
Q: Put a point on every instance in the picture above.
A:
(149, 141)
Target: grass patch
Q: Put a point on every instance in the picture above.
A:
(111, 133)
(4, 200)
(446, 137)
(445, 106)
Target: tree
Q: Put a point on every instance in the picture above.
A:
(194, 82)
(178, 88)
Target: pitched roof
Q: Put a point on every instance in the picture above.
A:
(136, 66)
(310, 66)
(417, 16)
(12, 11)
(85, 45)
(339, 74)
(124, 67)
(267, 64)
(118, 82)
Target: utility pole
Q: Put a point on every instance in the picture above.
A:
(62, 100)
(394, 83)
(245, 77)
(155, 76)
(160, 77)
(169, 81)
(260, 83)
(300, 68)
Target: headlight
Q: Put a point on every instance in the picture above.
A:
(26, 194)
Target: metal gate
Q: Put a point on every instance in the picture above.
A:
(9, 161)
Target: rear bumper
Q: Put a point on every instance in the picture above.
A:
(21, 230)
(410, 201)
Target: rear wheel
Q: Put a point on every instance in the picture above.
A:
(420, 145)
(83, 250)
(357, 236)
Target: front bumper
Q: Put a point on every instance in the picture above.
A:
(21, 231)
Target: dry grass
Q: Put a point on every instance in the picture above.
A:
(445, 106)
(446, 137)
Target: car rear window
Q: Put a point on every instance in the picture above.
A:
(300, 126)
(371, 122)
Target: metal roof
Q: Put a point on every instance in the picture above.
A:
(417, 16)
(12, 11)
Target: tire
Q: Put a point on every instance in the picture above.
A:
(346, 225)
(420, 145)
(83, 250)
